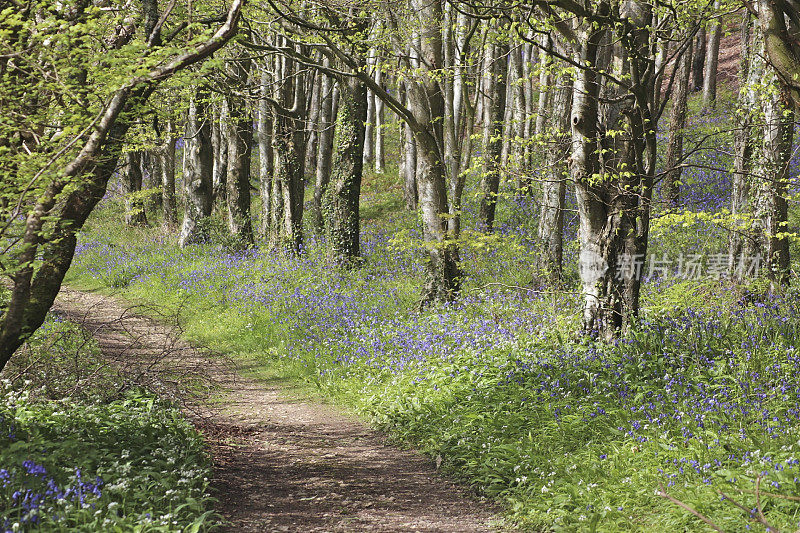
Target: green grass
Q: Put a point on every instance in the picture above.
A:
(76, 454)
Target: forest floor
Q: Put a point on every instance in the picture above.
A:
(284, 462)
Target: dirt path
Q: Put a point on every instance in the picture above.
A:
(283, 464)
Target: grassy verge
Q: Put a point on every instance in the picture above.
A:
(78, 455)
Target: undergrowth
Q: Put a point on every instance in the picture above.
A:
(82, 450)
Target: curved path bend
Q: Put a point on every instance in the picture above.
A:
(283, 463)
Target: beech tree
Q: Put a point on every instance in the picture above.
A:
(761, 169)
(494, 108)
(69, 98)
(197, 169)
(238, 132)
(613, 51)
(677, 122)
(135, 214)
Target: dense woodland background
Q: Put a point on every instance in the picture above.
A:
(553, 244)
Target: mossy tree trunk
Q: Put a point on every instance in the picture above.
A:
(341, 200)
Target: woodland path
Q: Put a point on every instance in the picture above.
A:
(283, 463)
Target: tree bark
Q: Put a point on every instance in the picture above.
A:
(761, 167)
(239, 133)
(266, 156)
(341, 200)
(554, 185)
(135, 209)
(698, 63)
(613, 180)
(750, 72)
(167, 167)
(712, 62)
(197, 171)
(494, 108)
(313, 125)
(427, 107)
(545, 60)
(585, 163)
(380, 154)
(288, 145)
(219, 142)
(240, 141)
(519, 119)
(369, 135)
(530, 110)
(771, 211)
(677, 123)
(329, 92)
(408, 166)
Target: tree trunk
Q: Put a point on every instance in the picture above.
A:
(554, 185)
(167, 167)
(313, 125)
(712, 61)
(325, 144)
(677, 123)
(198, 166)
(288, 144)
(265, 156)
(341, 200)
(518, 131)
(427, 107)
(151, 176)
(614, 210)
(772, 206)
(761, 167)
(239, 133)
(698, 63)
(220, 142)
(544, 81)
(459, 112)
(289, 171)
(369, 135)
(408, 164)
(530, 110)
(662, 53)
(494, 112)
(240, 142)
(135, 209)
(750, 72)
(380, 155)
(585, 163)
(509, 113)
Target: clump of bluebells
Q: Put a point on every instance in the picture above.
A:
(132, 463)
(37, 494)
